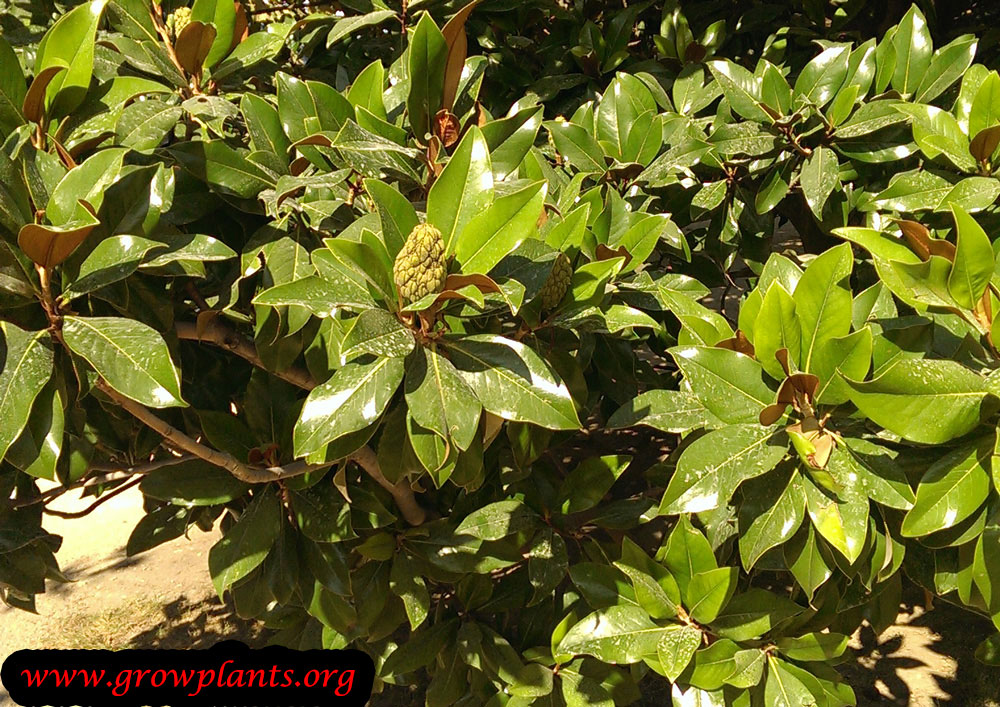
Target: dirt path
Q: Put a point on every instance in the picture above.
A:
(164, 598)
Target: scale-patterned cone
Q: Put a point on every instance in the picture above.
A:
(555, 287)
(178, 20)
(420, 267)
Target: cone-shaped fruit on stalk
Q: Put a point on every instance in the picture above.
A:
(420, 268)
(555, 287)
(178, 20)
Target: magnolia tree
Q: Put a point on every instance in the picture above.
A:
(413, 301)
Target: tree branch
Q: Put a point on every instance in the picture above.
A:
(401, 491)
(224, 336)
(96, 504)
(243, 472)
(107, 474)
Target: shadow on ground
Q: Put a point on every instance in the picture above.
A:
(926, 660)
(187, 624)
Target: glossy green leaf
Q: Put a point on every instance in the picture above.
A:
(667, 410)
(813, 646)
(947, 66)
(428, 54)
(973, 266)
(768, 518)
(822, 77)
(70, 43)
(245, 545)
(823, 301)
(741, 88)
(37, 450)
(88, 181)
(729, 384)
(347, 26)
(221, 14)
(143, 125)
(676, 649)
(352, 399)
(877, 469)
(408, 585)
(712, 468)
(782, 689)
(818, 178)
(618, 634)
(322, 296)
(513, 382)
(376, 332)
(951, 489)
(112, 260)
(585, 486)
(463, 190)
(839, 516)
(807, 560)
(924, 401)
(322, 514)
(843, 357)
(500, 229)
(25, 368)
(753, 613)
(396, 213)
(577, 146)
(777, 327)
(440, 399)
(192, 483)
(686, 553)
(923, 191)
(985, 110)
(223, 168)
(708, 592)
(498, 520)
(912, 42)
(130, 356)
(12, 88)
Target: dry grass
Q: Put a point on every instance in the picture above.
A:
(111, 629)
(148, 623)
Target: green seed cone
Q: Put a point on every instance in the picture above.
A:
(420, 267)
(555, 287)
(178, 20)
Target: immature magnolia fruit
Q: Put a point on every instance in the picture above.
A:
(420, 267)
(178, 20)
(555, 287)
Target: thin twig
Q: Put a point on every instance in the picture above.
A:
(106, 474)
(96, 504)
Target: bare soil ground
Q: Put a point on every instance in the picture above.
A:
(164, 599)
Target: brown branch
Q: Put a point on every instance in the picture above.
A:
(401, 491)
(176, 438)
(226, 337)
(107, 473)
(96, 504)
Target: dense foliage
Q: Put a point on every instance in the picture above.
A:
(474, 329)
